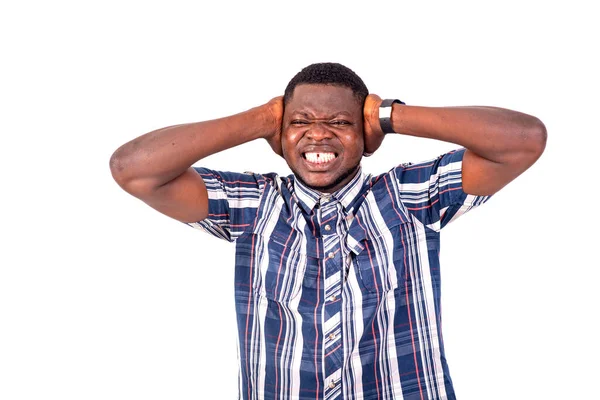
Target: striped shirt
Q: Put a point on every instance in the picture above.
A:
(338, 295)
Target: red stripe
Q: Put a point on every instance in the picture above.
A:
(322, 222)
(331, 352)
(450, 189)
(421, 208)
(373, 324)
(242, 182)
(392, 199)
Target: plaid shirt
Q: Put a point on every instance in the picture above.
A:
(338, 296)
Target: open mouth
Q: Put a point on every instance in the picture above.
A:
(319, 157)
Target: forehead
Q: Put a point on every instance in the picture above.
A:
(323, 99)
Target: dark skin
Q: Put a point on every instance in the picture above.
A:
(156, 167)
(320, 118)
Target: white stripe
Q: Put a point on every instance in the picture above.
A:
(428, 346)
(353, 322)
(261, 372)
(331, 323)
(261, 311)
(330, 282)
(470, 202)
(385, 241)
(216, 194)
(414, 187)
(244, 203)
(291, 388)
(383, 250)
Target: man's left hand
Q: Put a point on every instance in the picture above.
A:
(373, 134)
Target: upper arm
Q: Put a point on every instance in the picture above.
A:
(222, 203)
(484, 177)
(185, 198)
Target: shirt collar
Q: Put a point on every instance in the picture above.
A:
(309, 198)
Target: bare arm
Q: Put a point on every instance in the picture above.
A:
(501, 144)
(156, 167)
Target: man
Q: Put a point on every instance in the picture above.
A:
(337, 272)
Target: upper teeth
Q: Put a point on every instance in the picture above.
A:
(319, 158)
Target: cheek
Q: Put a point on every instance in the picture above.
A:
(292, 135)
(288, 144)
(355, 143)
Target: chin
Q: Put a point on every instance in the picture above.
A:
(321, 186)
(326, 184)
(317, 183)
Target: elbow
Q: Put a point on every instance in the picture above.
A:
(127, 169)
(120, 168)
(529, 144)
(537, 135)
(117, 166)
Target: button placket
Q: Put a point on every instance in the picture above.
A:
(333, 266)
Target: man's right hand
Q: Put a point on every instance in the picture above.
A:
(275, 116)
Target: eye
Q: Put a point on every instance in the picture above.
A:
(339, 122)
(299, 122)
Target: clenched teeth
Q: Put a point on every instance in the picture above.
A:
(319, 158)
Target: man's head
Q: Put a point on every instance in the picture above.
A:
(322, 132)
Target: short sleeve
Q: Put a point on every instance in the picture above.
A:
(233, 201)
(432, 190)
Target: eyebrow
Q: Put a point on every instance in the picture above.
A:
(307, 115)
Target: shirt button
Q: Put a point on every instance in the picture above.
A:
(327, 228)
(333, 298)
(331, 255)
(332, 336)
(331, 385)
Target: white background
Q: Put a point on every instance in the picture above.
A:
(102, 297)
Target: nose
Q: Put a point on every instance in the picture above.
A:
(319, 131)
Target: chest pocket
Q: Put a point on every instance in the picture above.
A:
(381, 259)
(271, 266)
(282, 270)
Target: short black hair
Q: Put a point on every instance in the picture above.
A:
(328, 74)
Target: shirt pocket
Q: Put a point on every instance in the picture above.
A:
(282, 270)
(381, 264)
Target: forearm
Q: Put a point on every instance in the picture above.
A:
(496, 134)
(156, 158)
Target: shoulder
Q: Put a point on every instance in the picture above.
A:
(232, 178)
(424, 171)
